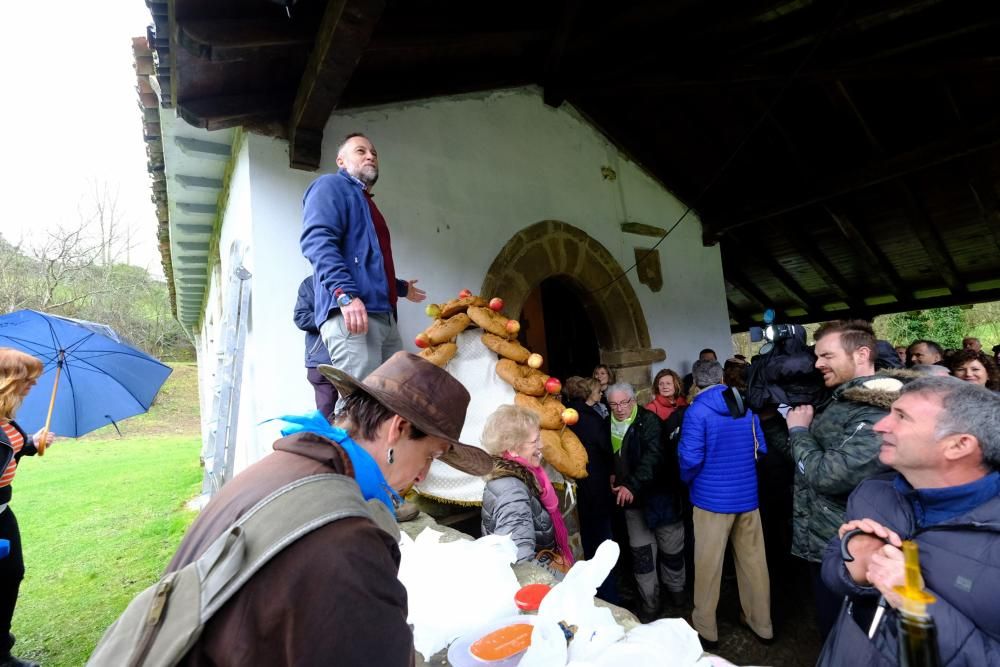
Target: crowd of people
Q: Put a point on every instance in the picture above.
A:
(682, 478)
(689, 468)
(690, 473)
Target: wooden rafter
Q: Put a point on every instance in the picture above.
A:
(227, 40)
(871, 253)
(740, 281)
(751, 248)
(930, 238)
(824, 268)
(950, 147)
(553, 93)
(345, 30)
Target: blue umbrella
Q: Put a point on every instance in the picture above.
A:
(91, 378)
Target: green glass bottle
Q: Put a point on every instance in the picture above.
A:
(918, 645)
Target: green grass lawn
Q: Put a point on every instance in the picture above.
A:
(100, 517)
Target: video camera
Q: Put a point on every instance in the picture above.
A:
(784, 371)
(772, 333)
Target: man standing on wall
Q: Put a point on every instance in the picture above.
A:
(346, 239)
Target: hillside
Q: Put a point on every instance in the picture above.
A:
(175, 411)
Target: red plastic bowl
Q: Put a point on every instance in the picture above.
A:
(530, 596)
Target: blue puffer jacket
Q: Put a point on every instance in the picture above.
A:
(960, 564)
(716, 454)
(339, 240)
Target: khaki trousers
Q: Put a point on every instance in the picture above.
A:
(711, 534)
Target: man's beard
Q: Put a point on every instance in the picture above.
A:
(367, 174)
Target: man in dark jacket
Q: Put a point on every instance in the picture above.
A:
(346, 239)
(942, 437)
(655, 529)
(837, 450)
(316, 352)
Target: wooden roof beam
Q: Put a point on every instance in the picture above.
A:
(740, 281)
(222, 111)
(553, 93)
(824, 267)
(930, 239)
(724, 76)
(742, 317)
(946, 149)
(748, 247)
(228, 40)
(345, 30)
(872, 255)
(988, 203)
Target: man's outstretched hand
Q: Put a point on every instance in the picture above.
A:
(414, 293)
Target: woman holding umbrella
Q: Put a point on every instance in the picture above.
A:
(18, 374)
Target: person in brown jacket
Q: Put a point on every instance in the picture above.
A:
(333, 597)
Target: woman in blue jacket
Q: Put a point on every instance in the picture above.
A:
(720, 442)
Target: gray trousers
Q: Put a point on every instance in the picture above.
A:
(360, 354)
(663, 546)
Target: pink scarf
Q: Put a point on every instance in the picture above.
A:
(550, 501)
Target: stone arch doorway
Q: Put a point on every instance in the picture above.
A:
(551, 249)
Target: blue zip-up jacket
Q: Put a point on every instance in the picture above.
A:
(339, 240)
(960, 564)
(716, 454)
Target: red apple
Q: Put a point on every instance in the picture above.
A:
(433, 310)
(570, 416)
(422, 341)
(496, 304)
(464, 293)
(553, 385)
(535, 360)
(513, 326)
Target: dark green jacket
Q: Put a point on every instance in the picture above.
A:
(639, 463)
(838, 452)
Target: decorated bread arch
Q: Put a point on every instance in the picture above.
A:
(472, 339)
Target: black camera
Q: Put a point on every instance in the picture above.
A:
(783, 372)
(773, 333)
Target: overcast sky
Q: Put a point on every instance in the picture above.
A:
(69, 117)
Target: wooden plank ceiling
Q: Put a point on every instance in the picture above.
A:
(844, 155)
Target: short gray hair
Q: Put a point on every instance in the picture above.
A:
(623, 387)
(966, 408)
(508, 427)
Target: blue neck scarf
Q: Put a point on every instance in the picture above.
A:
(366, 472)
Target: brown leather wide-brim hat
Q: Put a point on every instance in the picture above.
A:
(424, 395)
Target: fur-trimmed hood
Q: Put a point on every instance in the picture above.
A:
(506, 468)
(879, 390)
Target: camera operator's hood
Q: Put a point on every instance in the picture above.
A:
(879, 390)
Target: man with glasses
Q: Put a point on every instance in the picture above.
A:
(640, 487)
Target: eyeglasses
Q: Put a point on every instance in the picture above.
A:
(622, 404)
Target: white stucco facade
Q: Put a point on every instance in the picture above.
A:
(459, 177)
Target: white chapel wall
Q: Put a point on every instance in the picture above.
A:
(459, 177)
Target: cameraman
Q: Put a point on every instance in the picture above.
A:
(834, 446)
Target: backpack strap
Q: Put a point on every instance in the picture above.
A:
(294, 510)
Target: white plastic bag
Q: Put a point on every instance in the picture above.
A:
(646, 646)
(455, 587)
(572, 601)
